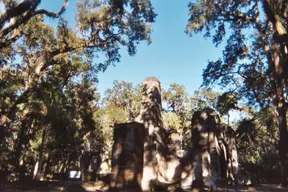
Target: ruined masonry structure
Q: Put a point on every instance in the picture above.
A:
(155, 140)
(150, 146)
(145, 154)
(216, 148)
(127, 157)
(205, 125)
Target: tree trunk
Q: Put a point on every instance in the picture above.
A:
(283, 152)
(279, 84)
(47, 167)
(280, 106)
(22, 140)
(39, 163)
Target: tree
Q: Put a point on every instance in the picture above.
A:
(18, 14)
(226, 102)
(48, 75)
(109, 25)
(257, 139)
(202, 98)
(123, 96)
(181, 106)
(176, 97)
(177, 115)
(252, 52)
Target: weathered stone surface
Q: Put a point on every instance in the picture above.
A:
(162, 148)
(217, 147)
(127, 157)
(189, 165)
(205, 128)
(232, 157)
(163, 163)
(167, 166)
(155, 140)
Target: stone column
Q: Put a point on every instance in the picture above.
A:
(214, 127)
(155, 135)
(199, 144)
(205, 124)
(169, 171)
(232, 157)
(127, 157)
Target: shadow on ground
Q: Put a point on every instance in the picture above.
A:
(68, 186)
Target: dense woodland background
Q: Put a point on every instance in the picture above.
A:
(50, 108)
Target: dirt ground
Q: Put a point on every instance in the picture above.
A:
(69, 186)
(257, 188)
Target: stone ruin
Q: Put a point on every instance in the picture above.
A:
(127, 157)
(216, 147)
(146, 155)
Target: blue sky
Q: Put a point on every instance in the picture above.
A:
(173, 56)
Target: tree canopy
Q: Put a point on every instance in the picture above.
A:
(51, 109)
(254, 60)
(48, 76)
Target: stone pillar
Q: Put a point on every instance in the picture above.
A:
(214, 125)
(232, 157)
(199, 144)
(127, 157)
(205, 124)
(156, 136)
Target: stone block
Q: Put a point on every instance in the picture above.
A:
(127, 157)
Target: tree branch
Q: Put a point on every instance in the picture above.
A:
(51, 14)
(273, 18)
(12, 112)
(25, 18)
(85, 44)
(281, 38)
(19, 9)
(12, 39)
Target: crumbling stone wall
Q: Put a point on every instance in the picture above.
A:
(207, 159)
(167, 171)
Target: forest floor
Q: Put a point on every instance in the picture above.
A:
(70, 186)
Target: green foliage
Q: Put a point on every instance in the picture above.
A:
(227, 101)
(48, 78)
(257, 149)
(243, 67)
(123, 96)
(251, 70)
(176, 98)
(112, 24)
(172, 121)
(50, 107)
(202, 98)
